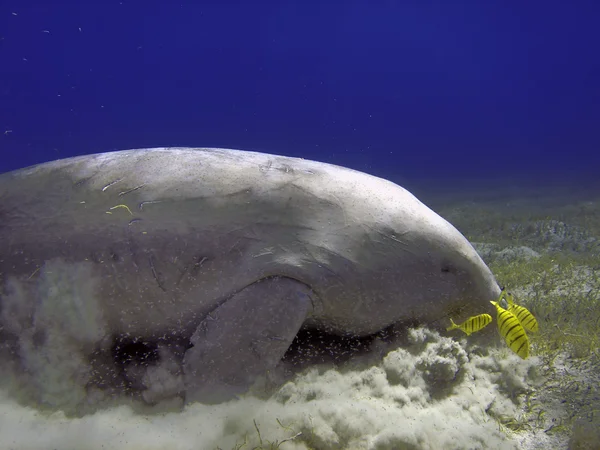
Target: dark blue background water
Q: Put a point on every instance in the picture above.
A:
(399, 89)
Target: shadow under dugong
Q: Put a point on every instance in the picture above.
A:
(216, 256)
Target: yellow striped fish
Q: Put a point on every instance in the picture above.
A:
(525, 317)
(512, 331)
(472, 324)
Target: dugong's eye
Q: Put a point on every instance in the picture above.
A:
(446, 268)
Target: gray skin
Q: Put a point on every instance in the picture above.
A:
(231, 252)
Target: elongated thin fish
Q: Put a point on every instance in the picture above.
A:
(525, 317)
(472, 324)
(512, 331)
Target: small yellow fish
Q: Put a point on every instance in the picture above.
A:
(512, 331)
(525, 317)
(472, 324)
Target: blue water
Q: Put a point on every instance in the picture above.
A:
(413, 90)
(454, 100)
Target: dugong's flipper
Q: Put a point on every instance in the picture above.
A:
(244, 337)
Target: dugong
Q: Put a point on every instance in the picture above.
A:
(219, 256)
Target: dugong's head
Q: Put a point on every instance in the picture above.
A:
(437, 271)
(422, 269)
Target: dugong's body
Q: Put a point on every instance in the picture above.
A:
(220, 255)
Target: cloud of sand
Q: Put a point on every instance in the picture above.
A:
(429, 394)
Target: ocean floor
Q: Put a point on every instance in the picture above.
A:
(543, 243)
(414, 388)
